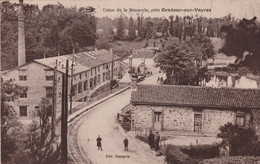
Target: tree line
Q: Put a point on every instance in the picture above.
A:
(49, 31)
(176, 26)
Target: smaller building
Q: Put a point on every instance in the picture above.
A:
(142, 60)
(193, 109)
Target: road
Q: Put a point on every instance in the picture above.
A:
(101, 120)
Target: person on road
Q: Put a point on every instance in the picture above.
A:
(157, 140)
(126, 144)
(99, 139)
(151, 140)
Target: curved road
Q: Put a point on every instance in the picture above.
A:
(101, 120)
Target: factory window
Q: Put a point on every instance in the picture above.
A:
(79, 87)
(98, 79)
(85, 85)
(23, 93)
(23, 111)
(22, 75)
(49, 91)
(74, 90)
(104, 76)
(49, 75)
(91, 83)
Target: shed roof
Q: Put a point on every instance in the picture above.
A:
(196, 96)
(82, 61)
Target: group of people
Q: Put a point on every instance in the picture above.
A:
(153, 140)
(160, 80)
(99, 145)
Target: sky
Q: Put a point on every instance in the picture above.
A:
(218, 8)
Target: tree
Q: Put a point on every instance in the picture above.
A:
(48, 31)
(242, 41)
(131, 29)
(182, 61)
(40, 141)
(10, 126)
(171, 30)
(243, 140)
(9, 33)
(120, 28)
(176, 60)
(202, 46)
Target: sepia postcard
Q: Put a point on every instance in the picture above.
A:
(130, 81)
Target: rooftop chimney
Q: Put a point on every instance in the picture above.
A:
(21, 37)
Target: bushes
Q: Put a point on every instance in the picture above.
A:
(232, 160)
(173, 155)
(243, 140)
(190, 154)
(202, 151)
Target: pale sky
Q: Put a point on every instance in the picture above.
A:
(219, 8)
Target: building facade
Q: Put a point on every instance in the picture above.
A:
(143, 60)
(193, 109)
(91, 70)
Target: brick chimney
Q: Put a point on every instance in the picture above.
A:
(21, 36)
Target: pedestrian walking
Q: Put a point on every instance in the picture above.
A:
(157, 141)
(151, 139)
(99, 145)
(158, 79)
(126, 144)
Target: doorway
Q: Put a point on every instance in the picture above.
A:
(197, 122)
(157, 121)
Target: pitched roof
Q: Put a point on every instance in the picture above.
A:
(196, 96)
(83, 60)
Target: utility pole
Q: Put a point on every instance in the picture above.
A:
(112, 70)
(64, 116)
(71, 82)
(54, 99)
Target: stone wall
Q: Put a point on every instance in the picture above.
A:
(178, 118)
(212, 119)
(36, 83)
(142, 116)
(182, 118)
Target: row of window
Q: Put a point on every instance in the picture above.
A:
(93, 82)
(49, 92)
(24, 113)
(49, 73)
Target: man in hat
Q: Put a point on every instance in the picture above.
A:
(126, 144)
(157, 141)
(151, 139)
(99, 139)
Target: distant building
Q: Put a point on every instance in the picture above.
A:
(91, 70)
(143, 60)
(193, 109)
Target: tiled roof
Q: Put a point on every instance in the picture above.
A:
(83, 60)
(196, 96)
(143, 53)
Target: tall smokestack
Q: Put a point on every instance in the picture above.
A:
(21, 37)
